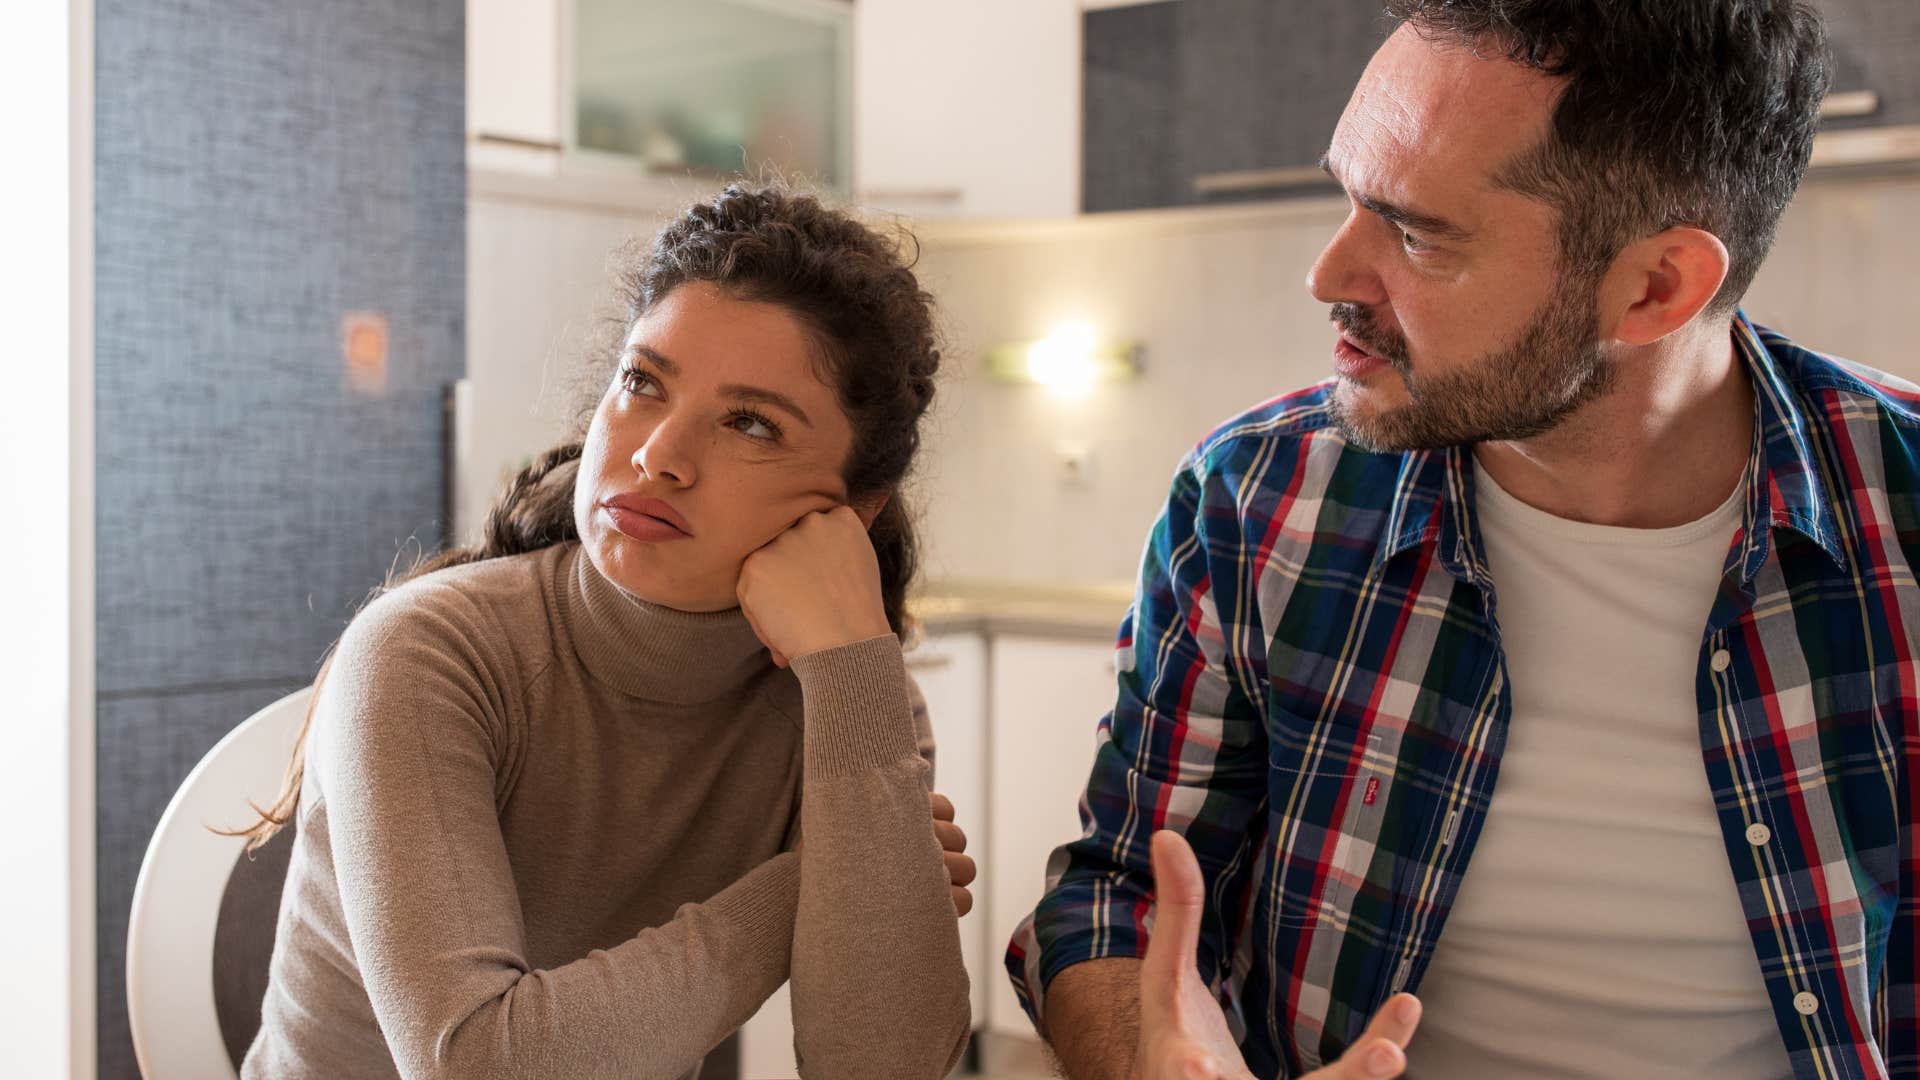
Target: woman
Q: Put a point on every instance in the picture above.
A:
(554, 792)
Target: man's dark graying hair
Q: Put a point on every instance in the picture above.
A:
(1674, 112)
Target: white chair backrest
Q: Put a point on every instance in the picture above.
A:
(176, 903)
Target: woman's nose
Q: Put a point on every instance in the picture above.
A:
(667, 454)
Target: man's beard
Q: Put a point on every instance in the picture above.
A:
(1526, 389)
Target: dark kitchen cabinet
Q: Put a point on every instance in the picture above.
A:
(1200, 101)
(1194, 102)
(1876, 51)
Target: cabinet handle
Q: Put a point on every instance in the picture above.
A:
(1850, 103)
(1893, 144)
(1225, 183)
(928, 663)
(926, 195)
(515, 140)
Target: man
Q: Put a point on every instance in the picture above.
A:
(1564, 517)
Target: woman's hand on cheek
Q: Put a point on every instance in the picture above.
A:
(815, 586)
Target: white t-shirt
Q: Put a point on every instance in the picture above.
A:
(1598, 932)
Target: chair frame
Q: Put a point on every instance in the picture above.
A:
(176, 902)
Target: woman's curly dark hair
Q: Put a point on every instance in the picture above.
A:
(855, 289)
(852, 286)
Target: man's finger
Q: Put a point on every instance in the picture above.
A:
(941, 805)
(1368, 1059)
(1380, 1051)
(1179, 895)
(1395, 1021)
(962, 900)
(960, 868)
(950, 836)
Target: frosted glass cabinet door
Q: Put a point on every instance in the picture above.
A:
(713, 87)
(1048, 697)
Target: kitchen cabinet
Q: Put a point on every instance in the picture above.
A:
(1262, 86)
(1132, 78)
(1205, 101)
(1048, 695)
(967, 109)
(513, 84)
(1876, 82)
(951, 670)
(710, 88)
(929, 110)
(700, 88)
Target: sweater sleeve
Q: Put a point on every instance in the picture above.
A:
(879, 986)
(409, 731)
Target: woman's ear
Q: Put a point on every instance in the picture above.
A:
(868, 508)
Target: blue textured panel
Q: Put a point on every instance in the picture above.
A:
(262, 168)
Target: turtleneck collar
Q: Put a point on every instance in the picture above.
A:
(649, 651)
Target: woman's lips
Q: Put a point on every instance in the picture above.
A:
(645, 519)
(640, 526)
(1350, 361)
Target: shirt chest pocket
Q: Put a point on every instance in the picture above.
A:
(1327, 788)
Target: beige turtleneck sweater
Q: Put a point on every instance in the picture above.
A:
(546, 831)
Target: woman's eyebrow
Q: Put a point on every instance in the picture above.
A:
(755, 394)
(761, 396)
(647, 353)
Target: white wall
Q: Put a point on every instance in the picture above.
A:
(1217, 295)
(1843, 270)
(1219, 298)
(46, 439)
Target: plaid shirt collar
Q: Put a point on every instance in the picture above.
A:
(1433, 501)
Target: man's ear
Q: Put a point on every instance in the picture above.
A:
(868, 507)
(1663, 281)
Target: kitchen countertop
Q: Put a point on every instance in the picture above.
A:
(1090, 610)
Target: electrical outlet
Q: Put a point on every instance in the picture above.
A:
(1074, 461)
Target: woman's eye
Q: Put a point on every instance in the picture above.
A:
(638, 382)
(755, 426)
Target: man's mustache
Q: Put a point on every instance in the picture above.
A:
(1359, 324)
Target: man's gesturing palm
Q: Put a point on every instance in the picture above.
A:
(1183, 1033)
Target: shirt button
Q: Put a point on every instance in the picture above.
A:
(1805, 1004)
(1721, 659)
(1758, 834)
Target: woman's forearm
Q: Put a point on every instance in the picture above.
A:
(879, 986)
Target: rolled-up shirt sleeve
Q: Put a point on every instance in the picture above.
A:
(1184, 748)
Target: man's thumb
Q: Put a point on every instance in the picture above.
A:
(1179, 901)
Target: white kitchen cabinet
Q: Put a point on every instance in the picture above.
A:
(952, 672)
(1047, 697)
(514, 90)
(968, 109)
